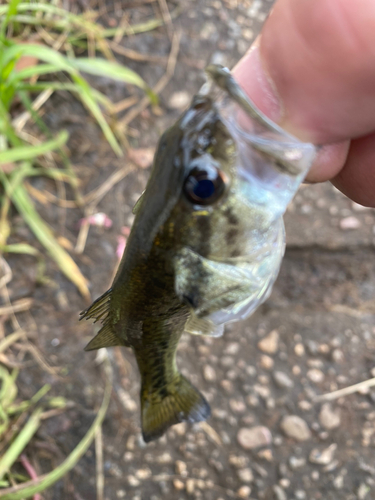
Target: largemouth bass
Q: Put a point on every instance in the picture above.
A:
(206, 244)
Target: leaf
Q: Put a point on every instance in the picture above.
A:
(30, 152)
(111, 69)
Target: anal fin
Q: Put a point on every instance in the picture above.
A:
(105, 338)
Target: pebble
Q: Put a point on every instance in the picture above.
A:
(362, 491)
(239, 462)
(295, 427)
(237, 405)
(329, 418)
(164, 458)
(296, 462)
(190, 486)
(133, 481)
(350, 223)
(266, 362)
(270, 343)
(209, 373)
(266, 455)
(254, 437)
(245, 475)
(299, 350)
(181, 468)
(300, 494)
(179, 99)
(244, 492)
(143, 473)
(323, 457)
(315, 375)
(179, 485)
(279, 493)
(282, 380)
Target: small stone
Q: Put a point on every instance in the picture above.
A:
(315, 375)
(244, 492)
(239, 462)
(190, 486)
(284, 482)
(266, 455)
(362, 491)
(227, 385)
(181, 468)
(270, 343)
(323, 457)
(300, 494)
(179, 485)
(296, 462)
(350, 223)
(329, 418)
(179, 100)
(338, 482)
(254, 437)
(338, 356)
(164, 458)
(232, 348)
(282, 380)
(266, 362)
(133, 481)
(209, 373)
(279, 493)
(237, 405)
(299, 350)
(304, 405)
(295, 427)
(143, 473)
(245, 475)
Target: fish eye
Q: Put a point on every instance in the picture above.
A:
(204, 185)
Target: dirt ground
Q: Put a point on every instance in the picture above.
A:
(318, 324)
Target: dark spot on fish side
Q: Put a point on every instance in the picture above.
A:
(232, 219)
(235, 253)
(231, 235)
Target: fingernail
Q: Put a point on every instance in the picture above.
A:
(252, 77)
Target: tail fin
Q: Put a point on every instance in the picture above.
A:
(181, 403)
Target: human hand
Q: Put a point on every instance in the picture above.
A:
(312, 70)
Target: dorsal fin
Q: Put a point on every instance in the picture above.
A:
(100, 311)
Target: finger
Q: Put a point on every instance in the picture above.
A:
(357, 178)
(316, 70)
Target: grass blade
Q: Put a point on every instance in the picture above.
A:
(111, 69)
(37, 486)
(21, 153)
(44, 234)
(19, 444)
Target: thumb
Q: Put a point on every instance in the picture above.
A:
(313, 72)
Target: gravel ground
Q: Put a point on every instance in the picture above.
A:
(268, 438)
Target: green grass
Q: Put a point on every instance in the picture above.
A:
(18, 437)
(20, 83)
(40, 53)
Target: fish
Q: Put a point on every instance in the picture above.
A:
(206, 244)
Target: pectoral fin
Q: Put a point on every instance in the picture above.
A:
(208, 286)
(202, 326)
